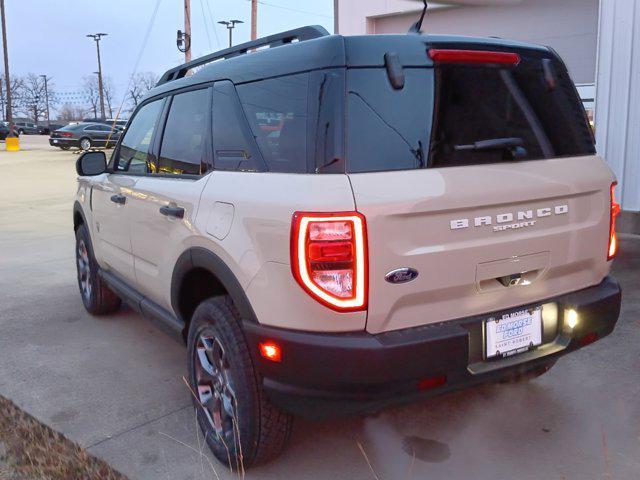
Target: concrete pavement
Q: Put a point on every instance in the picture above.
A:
(114, 384)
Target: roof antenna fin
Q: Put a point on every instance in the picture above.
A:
(418, 25)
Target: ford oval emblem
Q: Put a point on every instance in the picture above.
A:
(401, 275)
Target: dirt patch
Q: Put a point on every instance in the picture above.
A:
(31, 450)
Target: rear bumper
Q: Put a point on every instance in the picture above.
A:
(64, 142)
(325, 374)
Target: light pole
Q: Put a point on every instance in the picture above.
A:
(6, 69)
(96, 37)
(46, 99)
(231, 24)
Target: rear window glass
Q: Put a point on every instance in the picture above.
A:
(454, 115)
(388, 129)
(491, 115)
(277, 113)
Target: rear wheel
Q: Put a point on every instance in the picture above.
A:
(85, 143)
(240, 425)
(96, 296)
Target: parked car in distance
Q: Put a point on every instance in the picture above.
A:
(4, 131)
(84, 136)
(118, 123)
(26, 128)
(339, 224)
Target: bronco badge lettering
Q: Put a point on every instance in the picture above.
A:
(505, 221)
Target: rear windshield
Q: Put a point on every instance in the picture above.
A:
(454, 115)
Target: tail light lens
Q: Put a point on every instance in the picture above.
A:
(329, 258)
(615, 211)
(66, 134)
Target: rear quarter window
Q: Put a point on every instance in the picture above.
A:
(277, 113)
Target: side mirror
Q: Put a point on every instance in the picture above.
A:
(91, 163)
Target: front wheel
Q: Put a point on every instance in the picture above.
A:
(241, 426)
(96, 296)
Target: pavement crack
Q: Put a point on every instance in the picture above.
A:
(135, 427)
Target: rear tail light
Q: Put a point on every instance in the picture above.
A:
(66, 134)
(615, 211)
(329, 258)
(473, 57)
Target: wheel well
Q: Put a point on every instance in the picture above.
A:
(196, 286)
(77, 220)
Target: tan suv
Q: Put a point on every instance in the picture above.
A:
(335, 224)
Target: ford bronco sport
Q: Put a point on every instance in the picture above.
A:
(334, 224)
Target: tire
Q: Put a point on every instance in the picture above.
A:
(65, 148)
(232, 389)
(96, 296)
(85, 143)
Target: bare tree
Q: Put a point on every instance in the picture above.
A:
(70, 113)
(139, 85)
(32, 100)
(109, 93)
(92, 93)
(16, 92)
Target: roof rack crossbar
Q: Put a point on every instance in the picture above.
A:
(299, 34)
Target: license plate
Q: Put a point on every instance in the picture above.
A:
(55, 141)
(513, 333)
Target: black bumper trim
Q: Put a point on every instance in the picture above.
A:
(323, 373)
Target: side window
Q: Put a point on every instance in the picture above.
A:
(234, 147)
(277, 113)
(184, 140)
(134, 149)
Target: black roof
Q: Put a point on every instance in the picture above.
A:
(318, 51)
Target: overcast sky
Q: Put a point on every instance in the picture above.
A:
(48, 37)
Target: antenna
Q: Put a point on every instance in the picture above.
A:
(418, 25)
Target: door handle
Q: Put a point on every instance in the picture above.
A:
(176, 212)
(119, 199)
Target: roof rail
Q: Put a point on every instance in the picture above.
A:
(300, 34)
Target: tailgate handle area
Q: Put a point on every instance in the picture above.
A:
(517, 271)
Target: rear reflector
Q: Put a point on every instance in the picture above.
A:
(473, 57)
(612, 250)
(329, 258)
(589, 338)
(432, 382)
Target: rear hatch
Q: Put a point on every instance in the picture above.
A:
(480, 174)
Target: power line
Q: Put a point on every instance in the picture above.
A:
(206, 25)
(213, 23)
(294, 9)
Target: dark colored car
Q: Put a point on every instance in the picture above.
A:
(84, 136)
(26, 128)
(4, 131)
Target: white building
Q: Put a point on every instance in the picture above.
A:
(583, 32)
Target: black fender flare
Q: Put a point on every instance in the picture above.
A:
(198, 257)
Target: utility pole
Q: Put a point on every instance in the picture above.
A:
(231, 24)
(187, 30)
(96, 37)
(36, 99)
(46, 99)
(6, 68)
(254, 19)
